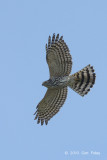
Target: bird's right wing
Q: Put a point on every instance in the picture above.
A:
(50, 104)
(58, 57)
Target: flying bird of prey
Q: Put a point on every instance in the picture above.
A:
(60, 64)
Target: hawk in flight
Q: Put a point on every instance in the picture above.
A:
(60, 64)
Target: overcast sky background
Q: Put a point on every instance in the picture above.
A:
(81, 124)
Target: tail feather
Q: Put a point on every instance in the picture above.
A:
(83, 80)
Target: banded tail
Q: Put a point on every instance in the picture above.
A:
(83, 80)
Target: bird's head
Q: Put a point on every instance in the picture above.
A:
(46, 84)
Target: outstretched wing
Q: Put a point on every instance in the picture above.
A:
(58, 57)
(50, 104)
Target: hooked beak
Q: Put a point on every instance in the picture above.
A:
(43, 84)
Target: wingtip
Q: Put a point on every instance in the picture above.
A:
(34, 113)
(46, 122)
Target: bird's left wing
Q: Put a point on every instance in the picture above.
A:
(58, 57)
(50, 104)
